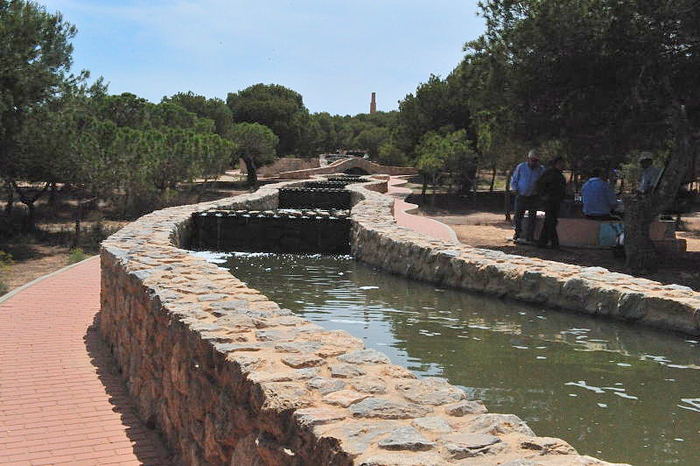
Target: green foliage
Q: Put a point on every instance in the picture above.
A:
(76, 255)
(447, 158)
(215, 110)
(5, 263)
(371, 139)
(599, 76)
(389, 154)
(255, 144)
(439, 105)
(277, 107)
(35, 59)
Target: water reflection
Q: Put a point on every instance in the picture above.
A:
(615, 391)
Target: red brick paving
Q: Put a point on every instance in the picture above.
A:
(427, 226)
(61, 399)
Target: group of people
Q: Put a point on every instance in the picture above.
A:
(539, 187)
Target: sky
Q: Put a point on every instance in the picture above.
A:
(334, 53)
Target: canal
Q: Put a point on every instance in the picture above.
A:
(615, 391)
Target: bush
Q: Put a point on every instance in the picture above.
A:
(5, 262)
(76, 255)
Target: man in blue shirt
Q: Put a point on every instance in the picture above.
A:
(598, 197)
(524, 183)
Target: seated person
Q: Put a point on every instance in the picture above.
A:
(650, 174)
(599, 201)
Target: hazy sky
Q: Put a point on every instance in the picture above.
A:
(334, 53)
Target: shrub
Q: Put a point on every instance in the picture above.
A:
(76, 255)
(5, 262)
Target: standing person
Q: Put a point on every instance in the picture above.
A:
(650, 173)
(551, 187)
(524, 183)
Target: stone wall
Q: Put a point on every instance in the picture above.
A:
(377, 239)
(230, 378)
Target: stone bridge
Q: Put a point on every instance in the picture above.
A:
(356, 165)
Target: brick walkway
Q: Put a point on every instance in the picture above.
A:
(427, 226)
(61, 400)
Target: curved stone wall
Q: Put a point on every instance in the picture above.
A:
(376, 239)
(230, 378)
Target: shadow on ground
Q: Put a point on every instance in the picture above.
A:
(147, 444)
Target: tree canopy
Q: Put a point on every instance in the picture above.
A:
(602, 79)
(35, 60)
(255, 145)
(277, 107)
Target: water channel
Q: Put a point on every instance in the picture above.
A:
(614, 391)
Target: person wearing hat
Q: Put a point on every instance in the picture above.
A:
(650, 174)
(524, 183)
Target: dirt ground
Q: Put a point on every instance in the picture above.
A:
(36, 255)
(33, 259)
(490, 230)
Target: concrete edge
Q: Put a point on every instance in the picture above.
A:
(18, 290)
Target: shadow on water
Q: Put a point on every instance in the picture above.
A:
(148, 447)
(616, 391)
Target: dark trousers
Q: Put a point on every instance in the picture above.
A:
(549, 229)
(529, 204)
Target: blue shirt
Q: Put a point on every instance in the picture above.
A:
(598, 197)
(524, 179)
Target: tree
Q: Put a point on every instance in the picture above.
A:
(606, 79)
(371, 139)
(277, 107)
(389, 154)
(125, 109)
(255, 145)
(433, 153)
(438, 105)
(213, 109)
(34, 64)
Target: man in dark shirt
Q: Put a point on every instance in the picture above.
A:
(551, 188)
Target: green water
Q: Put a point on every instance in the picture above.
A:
(615, 391)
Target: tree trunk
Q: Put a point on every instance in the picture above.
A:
(506, 206)
(424, 189)
(10, 199)
(641, 211)
(78, 218)
(30, 220)
(640, 253)
(52, 195)
(252, 177)
(493, 179)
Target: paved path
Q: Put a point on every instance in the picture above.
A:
(424, 225)
(61, 400)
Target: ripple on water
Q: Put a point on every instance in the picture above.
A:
(499, 351)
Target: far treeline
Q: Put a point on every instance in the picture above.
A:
(595, 81)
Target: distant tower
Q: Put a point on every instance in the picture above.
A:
(373, 103)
